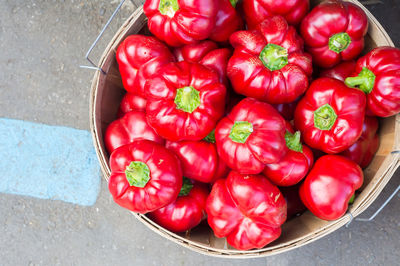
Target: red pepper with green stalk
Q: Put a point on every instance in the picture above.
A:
(330, 116)
(330, 186)
(139, 57)
(250, 136)
(131, 102)
(207, 54)
(187, 211)
(256, 11)
(334, 31)
(378, 75)
(363, 151)
(268, 62)
(184, 101)
(227, 21)
(179, 22)
(145, 176)
(246, 209)
(294, 166)
(199, 159)
(132, 126)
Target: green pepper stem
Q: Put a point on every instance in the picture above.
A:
(324, 117)
(187, 99)
(234, 2)
(240, 131)
(274, 57)
(138, 174)
(187, 186)
(168, 7)
(352, 199)
(339, 42)
(365, 81)
(210, 137)
(293, 141)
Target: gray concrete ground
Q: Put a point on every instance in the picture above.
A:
(42, 43)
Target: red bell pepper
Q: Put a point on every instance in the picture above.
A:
(246, 209)
(184, 101)
(268, 63)
(145, 176)
(199, 159)
(250, 136)
(187, 211)
(330, 185)
(334, 31)
(294, 166)
(139, 57)
(257, 10)
(330, 115)
(132, 126)
(227, 21)
(340, 71)
(207, 54)
(179, 22)
(379, 77)
(366, 146)
(294, 204)
(131, 102)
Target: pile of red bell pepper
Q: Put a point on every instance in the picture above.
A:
(245, 113)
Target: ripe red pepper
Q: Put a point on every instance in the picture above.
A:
(227, 21)
(207, 54)
(179, 22)
(330, 185)
(366, 146)
(294, 166)
(246, 209)
(184, 101)
(199, 159)
(257, 10)
(131, 102)
(139, 57)
(268, 63)
(334, 31)
(186, 211)
(330, 115)
(250, 136)
(132, 126)
(145, 176)
(294, 204)
(340, 71)
(379, 77)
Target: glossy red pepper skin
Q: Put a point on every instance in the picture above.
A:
(257, 10)
(185, 212)
(341, 71)
(139, 57)
(329, 186)
(246, 209)
(293, 167)
(175, 124)
(366, 146)
(131, 102)
(207, 54)
(227, 21)
(132, 126)
(253, 77)
(265, 142)
(327, 19)
(199, 160)
(165, 176)
(193, 21)
(294, 204)
(348, 105)
(383, 99)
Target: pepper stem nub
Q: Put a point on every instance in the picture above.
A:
(138, 174)
(324, 117)
(274, 57)
(187, 186)
(365, 81)
(187, 99)
(168, 7)
(339, 42)
(293, 141)
(240, 131)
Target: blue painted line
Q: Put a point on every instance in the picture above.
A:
(48, 162)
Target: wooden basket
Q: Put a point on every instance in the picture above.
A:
(107, 92)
